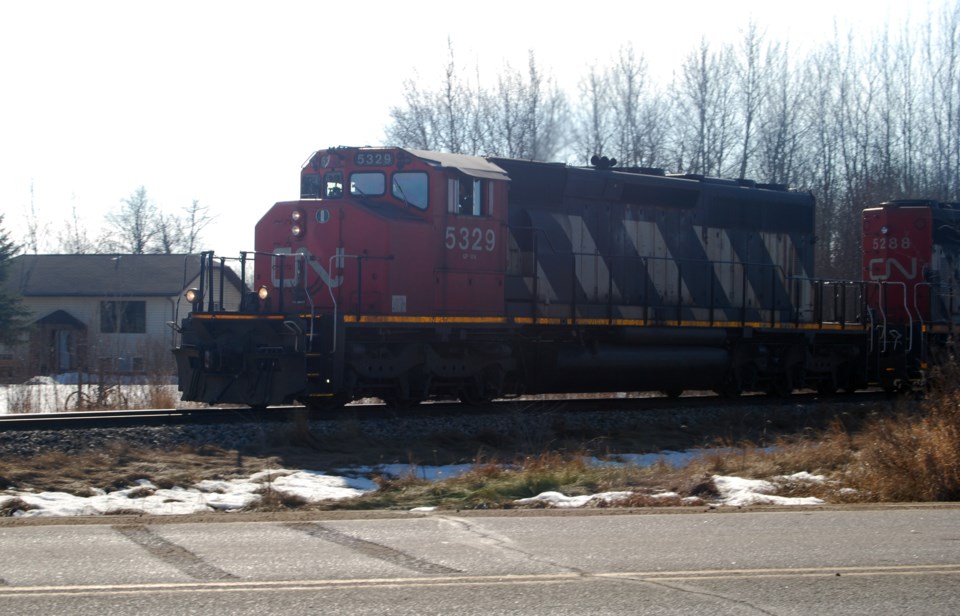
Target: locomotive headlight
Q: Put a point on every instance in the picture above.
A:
(297, 227)
(192, 295)
(263, 293)
(884, 230)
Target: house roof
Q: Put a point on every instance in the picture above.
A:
(61, 317)
(98, 275)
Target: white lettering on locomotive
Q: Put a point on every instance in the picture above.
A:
(315, 265)
(886, 267)
(472, 239)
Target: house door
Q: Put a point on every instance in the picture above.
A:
(63, 358)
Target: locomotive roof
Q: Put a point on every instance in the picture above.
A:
(473, 166)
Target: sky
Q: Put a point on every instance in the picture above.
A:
(315, 486)
(223, 101)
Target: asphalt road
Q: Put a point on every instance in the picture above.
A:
(870, 561)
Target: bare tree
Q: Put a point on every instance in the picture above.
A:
(629, 77)
(780, 133)
(168, 234)
(547, 113)
(32, 240)
(414, 124)
(752, 73)
(196, 218)
(860, 119)
(453, 109)
(527, 115)
(508, 130)
(704, 97)
(593, 120)
(942, 56)
(74, 238)
(134, 226)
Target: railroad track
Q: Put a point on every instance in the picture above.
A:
(80, 420)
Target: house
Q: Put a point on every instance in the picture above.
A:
(101, 313)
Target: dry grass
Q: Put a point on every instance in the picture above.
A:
(913, 457)
(907, 453)
(12, 506)
(119, 466)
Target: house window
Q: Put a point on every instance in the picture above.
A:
(123, 317)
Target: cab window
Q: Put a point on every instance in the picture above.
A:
(333, 185)
(470, 200)
(367, 184)
(411, 188)
(309, 186)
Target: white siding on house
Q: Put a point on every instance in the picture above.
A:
(158, 335)
(231, 295)
(79, 286)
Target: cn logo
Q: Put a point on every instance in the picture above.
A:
(881, 269)
(295, 266)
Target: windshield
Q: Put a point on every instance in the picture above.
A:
(411, 188)
(367, 184)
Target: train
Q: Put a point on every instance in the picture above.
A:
(410, 275)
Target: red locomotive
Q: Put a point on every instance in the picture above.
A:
(407, 275)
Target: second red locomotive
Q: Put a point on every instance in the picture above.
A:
(407, 275)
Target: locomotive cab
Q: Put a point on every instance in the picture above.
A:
(911, 264)
(383, 243)
(389, 232)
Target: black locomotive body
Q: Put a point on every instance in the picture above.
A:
(641, 281)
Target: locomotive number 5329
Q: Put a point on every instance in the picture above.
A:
(473, 239)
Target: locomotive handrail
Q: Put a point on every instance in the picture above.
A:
(906, 309)
(820, 298)
(916, 301)
(883, 314)
(916, 305)
(941, 296)
(882, 324)
(676, 286)
(881, 304)
(645, 261)
(536, 261)
(306, 291)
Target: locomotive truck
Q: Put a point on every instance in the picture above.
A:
(408, 275)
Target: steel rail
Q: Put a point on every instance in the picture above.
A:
(527, 405)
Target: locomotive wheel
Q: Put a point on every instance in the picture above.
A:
(730, 389)
(474, 400)
(781, 386)
(827, 386)
(324, 405)
(737, 378)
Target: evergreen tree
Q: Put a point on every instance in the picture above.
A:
(12, 323)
